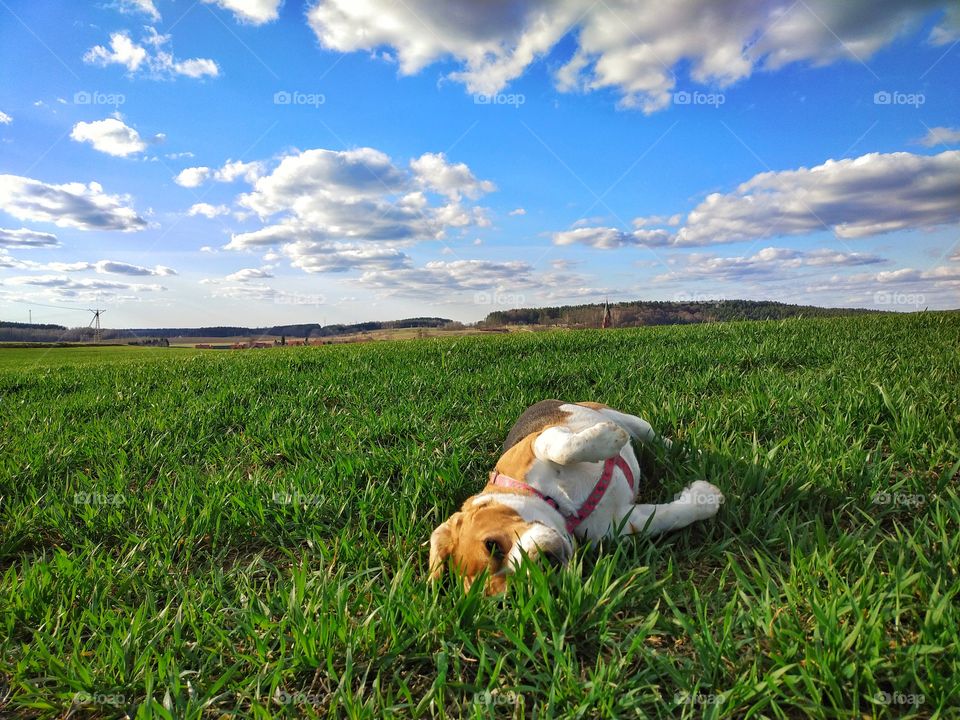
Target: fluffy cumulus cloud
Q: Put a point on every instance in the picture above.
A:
(629, 47)
(102, 267)
(860, 197)
(439, 279)
(76, 205)
(766, 263)
(207, 210)
(333, 211)
(248, 274)
(65, 283)
(232, 170)
(255, 12)
(145, 7)
(26, 238)
(148, 56)
(111, 136)
(5, 119)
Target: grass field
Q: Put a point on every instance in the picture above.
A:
(195, 534)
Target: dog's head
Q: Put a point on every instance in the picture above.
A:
(493, 532)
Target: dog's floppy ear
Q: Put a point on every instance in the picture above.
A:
(441, 545)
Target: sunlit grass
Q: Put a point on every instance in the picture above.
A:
(191, 534)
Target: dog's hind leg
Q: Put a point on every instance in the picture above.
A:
(637, 427)
(699, 501)
(593, 444)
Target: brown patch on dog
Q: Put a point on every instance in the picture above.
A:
(535, 419)
(594, 405)
(518, 460)
(477, 538)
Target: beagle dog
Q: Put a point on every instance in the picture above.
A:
(567, 471)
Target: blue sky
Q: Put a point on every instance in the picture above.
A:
(259, 162)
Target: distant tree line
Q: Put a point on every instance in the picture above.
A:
(25, 332)
(656, 312)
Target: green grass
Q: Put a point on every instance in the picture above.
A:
(187, 535)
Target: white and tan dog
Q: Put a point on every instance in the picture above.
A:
(567, 471)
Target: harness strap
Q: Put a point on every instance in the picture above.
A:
(589, 505)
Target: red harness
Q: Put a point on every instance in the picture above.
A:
(589, 505)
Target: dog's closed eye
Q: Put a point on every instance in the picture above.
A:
(494, 549)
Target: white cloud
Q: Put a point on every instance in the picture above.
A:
(208, 210)
(139, 6)
(433, 172)
(62, 282)
(113, 267)
(860, 197)
(314, 257)
(26, 238)
(632, 48)
(869, 195)
(766, 264)
(439, 279)
(110, 136)
(5, 119)
(948, 31)
(325, 196)
(248, 274)
(76, 205)
(158, 62)
(940, 136)
(517, 211)
(608, 238)
(192, 177)
(232, 170)
(255, 12)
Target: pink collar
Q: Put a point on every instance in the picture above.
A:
(589, 505)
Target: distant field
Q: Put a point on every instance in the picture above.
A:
(189, 534)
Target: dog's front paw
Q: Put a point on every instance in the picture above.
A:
(702, 496)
